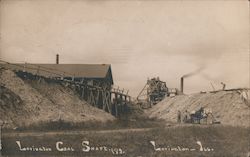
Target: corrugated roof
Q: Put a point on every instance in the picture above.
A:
(76, 70)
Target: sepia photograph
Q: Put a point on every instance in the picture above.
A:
(124, 78)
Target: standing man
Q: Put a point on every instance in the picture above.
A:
(179, 116)
(185, 119)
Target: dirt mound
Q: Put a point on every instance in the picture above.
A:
(26, 102)
(228, 107)
(9, 101)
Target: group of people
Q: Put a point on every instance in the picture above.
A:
(200, 116)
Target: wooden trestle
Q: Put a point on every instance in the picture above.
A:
(113, 101)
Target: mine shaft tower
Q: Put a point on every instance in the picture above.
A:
(153, 92)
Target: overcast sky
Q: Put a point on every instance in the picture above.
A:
(140, 39)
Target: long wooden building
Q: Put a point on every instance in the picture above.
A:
(93, 82)
(92, 74)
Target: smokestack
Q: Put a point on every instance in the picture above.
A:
(57, 58)
(189, 75)
(182, 84)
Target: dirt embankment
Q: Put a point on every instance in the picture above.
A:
(26, 102)
(229, 107)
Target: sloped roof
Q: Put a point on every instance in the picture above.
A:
(76, 70)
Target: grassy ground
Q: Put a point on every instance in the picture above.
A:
(90, 125)
(224, 140)
(134, 118)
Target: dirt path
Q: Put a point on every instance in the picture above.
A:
(68, 132)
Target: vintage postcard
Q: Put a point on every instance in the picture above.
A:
(124, 78)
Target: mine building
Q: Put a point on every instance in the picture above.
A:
(92, 74)
(93, 82)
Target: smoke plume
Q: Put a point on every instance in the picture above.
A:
(193, 73)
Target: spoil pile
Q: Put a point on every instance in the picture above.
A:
(28, 102)
(228, 107)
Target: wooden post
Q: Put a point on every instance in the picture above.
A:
(106, 100)
(103, 100)
(116, 102)
(97, 95)
(109, 101)
(120, 104)
(88, 96)
(91, 97)
(82, 92)
(125, 103)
